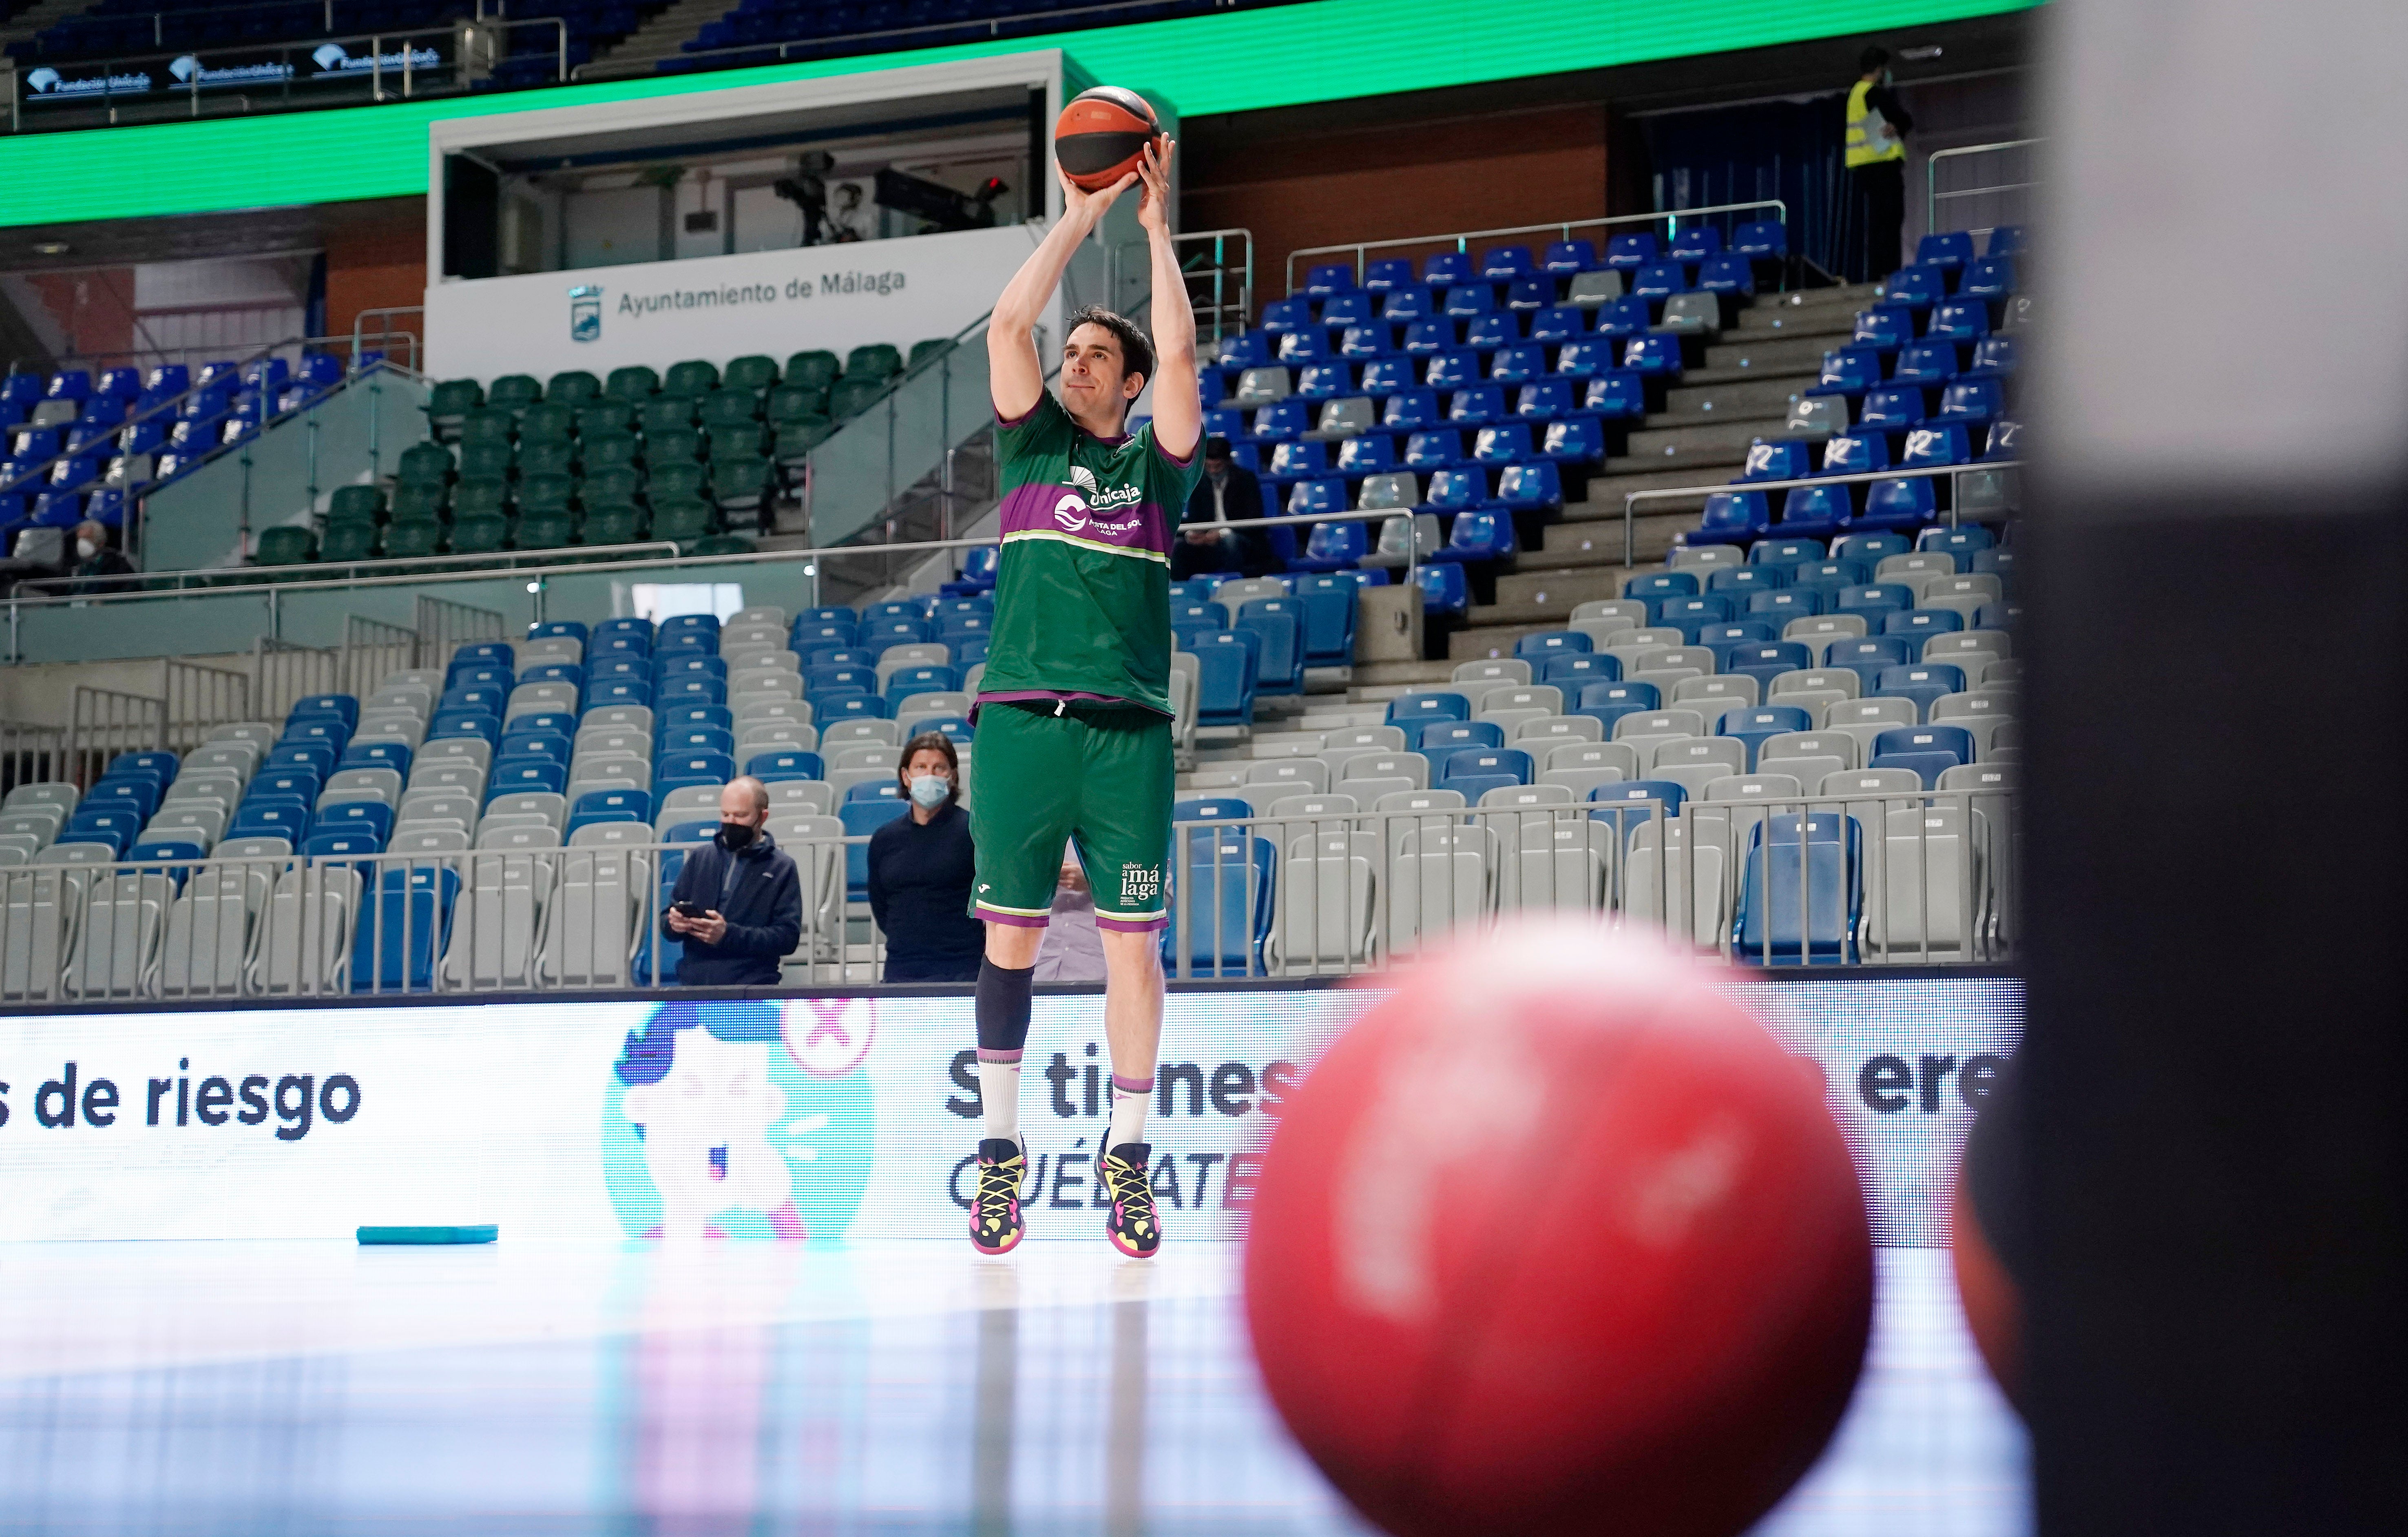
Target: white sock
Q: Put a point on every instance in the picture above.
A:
(999, 1094)
(1129, 1097)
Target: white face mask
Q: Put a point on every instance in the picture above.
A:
(930, 790)
(86, 549)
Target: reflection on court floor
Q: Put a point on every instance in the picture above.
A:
(253, 1388)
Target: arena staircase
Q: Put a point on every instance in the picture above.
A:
(664, 36)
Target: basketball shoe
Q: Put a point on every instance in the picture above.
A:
(995, 1227)
(1134, 1226)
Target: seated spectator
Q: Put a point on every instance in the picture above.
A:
(920, 871)
(95, 557)
(1073, 948)
(745, 896)
(1228, 491)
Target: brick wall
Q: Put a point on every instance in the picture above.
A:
(375, 258)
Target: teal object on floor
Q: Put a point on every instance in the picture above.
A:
(471, 1233)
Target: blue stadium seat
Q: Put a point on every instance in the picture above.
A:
(1898, 504)
(1439, 740)
(1569, 258)
(1212, 809)
(1519, 363)
(1608, 702)
(1870, 549)
(1538, 647)
(1408, 302)
(1728, 272)
(1505, 443)
(1502, 264)
(401, 930)
(1801, 891)
(1631, 805)
(1452, 371)
(1766, 660)
(1929, 750)
(1923, 682)
(1444, 590)
(1660, 280)
(1895, 409)
(1434, 449)
(1848, 371)
(1618, 319)
(1488, 332)
(1308, 346)
(1329, 278)
(1787, 551)
(1915, 288)
(1991, 278)
(1695, 244)
(1281, 420)
(1226, 894)
(1293, 313)
(1993, 357)
(675, 770)
(1661, 584)
(1448, 268)
(1655, 353)
(1882, 329)
(1780, 459)
(372, 818)
(1926, 364)
(2005, 240)
(1970, 541)
(1814, 511)
(1874, 599)
(1409, 709)
(1333, 547)
(607, 806)
(1951, 250)
(1577, 440)
(1479, 403)
(1958, 320)
(1533, 488)
(1559, 323)
(1477, 537)
(1478, 770)
(1277, 624)
(1339, 310)
(1764, 239)
(1754, 727)
(1572, 670)
(1362, 344)
(1731, 517)
(1630, 253)
(1389, 272)
(1410, 410)
(1587, 358)
(861, 818)
(1870, 658)
(517, 775)
(1226, 677)
(1971, 402)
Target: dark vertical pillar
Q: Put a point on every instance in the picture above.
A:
(2216, 572)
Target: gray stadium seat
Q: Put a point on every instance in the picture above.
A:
(1865, 719)
(305, 942)
(1594, 290)
(1324, 901)
(1495, 670)
(850, 733)
(1407, 766)
(1348, 416)
(1816, 416)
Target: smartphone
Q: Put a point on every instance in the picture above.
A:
(688, 910)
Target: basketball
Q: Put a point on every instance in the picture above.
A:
(1981, 1234)
(1556, 1239)
(1103, 135)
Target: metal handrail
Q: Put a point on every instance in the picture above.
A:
(1219, 271)
(41, 472)
(1933, 196)
(1670, 218)
(211, 579)
(1631, 498)
(359, 330)
(596, 68)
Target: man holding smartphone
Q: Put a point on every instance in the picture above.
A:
(739, 902)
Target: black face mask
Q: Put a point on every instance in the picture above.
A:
(736, 835)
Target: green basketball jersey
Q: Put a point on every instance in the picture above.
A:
(1083, 590)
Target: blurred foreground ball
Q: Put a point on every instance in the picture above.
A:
(1987, 1239)
(1557, 1239)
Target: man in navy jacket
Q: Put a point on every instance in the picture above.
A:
(749, 896)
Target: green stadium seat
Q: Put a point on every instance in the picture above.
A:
(694, 376)
(453, 399)
(547, 458)
(617, 523)
(740, 483)
(347, 541)
(672, 445)
(617, 486)
(487, 425)
(923, 351)
(730, 408)
(851, 395)
(751, 372)
(877, 361)
(796, 403)
(724, 544)
(675, 480)
(604, 416)
(418, 501)
(685, 520)
(633, 385)
(406, 541)
(742, 441)
(666, 411)
(542, 496)
(486, 495)
(483, 459)
(812, 370)
(572, 387)
(356, 504)
(795, 439)
(600, 451)
(480, 534)
(547, 422)
(286, 546)
(543, 530)
(424, 464)
(514, 392)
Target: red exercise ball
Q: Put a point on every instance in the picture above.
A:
(1556, 1239)
(1103, 135)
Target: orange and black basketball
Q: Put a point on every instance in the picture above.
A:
(1103, 135)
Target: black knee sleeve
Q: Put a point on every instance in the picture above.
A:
(1002, 1006)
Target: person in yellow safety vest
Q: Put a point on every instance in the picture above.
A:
(1876, 158)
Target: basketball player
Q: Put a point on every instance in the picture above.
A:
(1074, 713)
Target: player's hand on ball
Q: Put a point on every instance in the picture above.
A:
(1153, 202)
(1077, 203)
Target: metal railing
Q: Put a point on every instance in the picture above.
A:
(1226, 279)
(444, 627)
(289, 58)
(374, 650)
(1890, 877)
(79, 927)
(1461, 240)
(102, 723)
(1933, 196)
(1039, 22)
(1630, 499)
(32, 754)
(386, 333)
(283, 672)
(195, 698)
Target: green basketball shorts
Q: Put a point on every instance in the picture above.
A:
(1098, 776)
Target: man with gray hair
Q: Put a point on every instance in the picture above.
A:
(739, 902)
